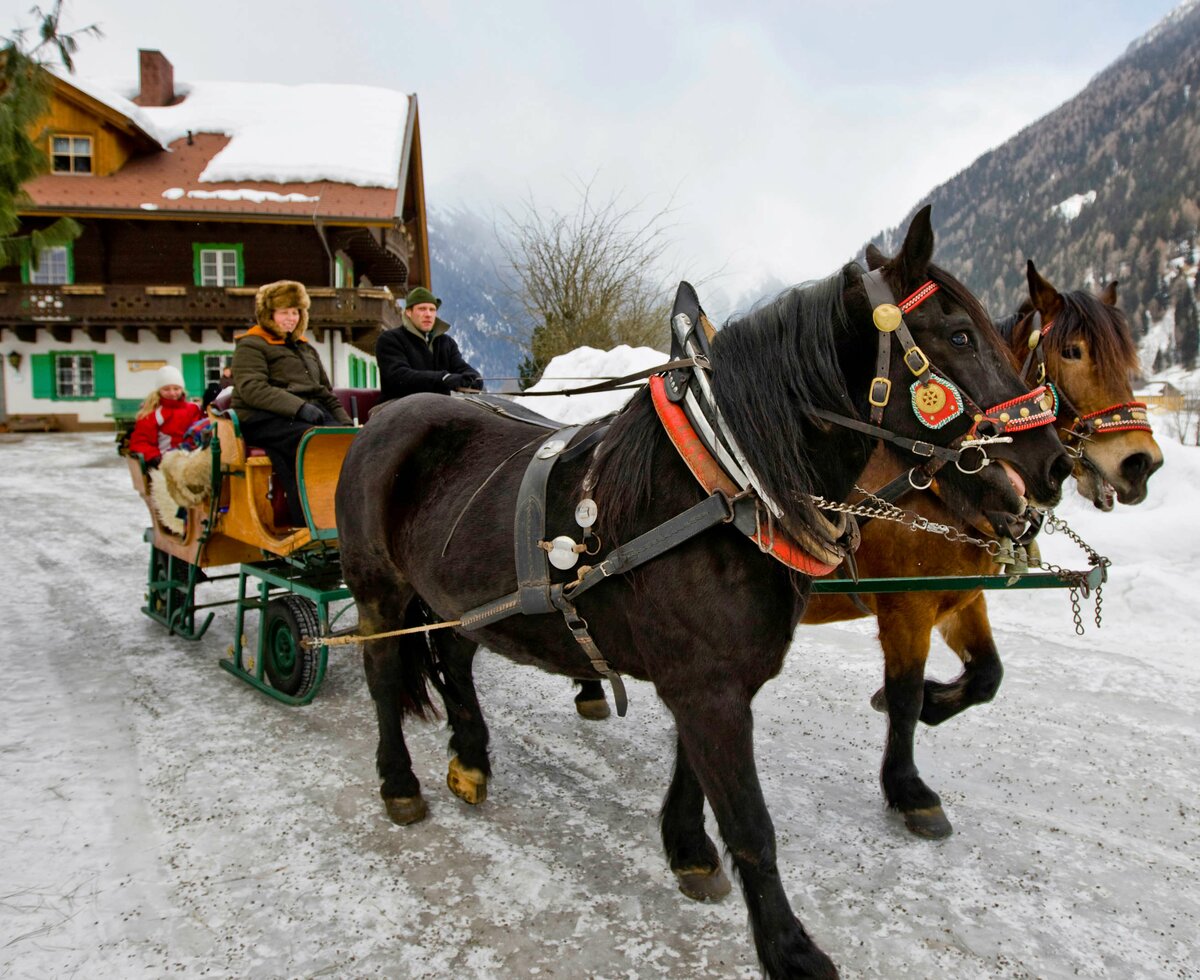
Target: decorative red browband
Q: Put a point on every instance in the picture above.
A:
(711, 477)
(918, 296)
(1125, 417)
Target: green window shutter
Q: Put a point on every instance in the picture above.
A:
(374, 376)
(193, 374)
(43, 375)
(104, 373)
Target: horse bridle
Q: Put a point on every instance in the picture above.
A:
(1128, 416)
(992, 425)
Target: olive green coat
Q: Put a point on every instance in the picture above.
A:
(276, 376)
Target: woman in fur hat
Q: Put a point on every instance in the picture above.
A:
(164, 417)
(280, 389)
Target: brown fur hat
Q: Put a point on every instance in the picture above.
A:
(277, 296)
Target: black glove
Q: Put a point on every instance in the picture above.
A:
(455, 381)
(311, 413)
(473, 380)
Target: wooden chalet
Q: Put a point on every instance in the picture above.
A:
(170, 258)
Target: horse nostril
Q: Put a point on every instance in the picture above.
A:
(1061, 468)
(1136, 467)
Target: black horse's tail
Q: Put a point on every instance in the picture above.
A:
(417, 664)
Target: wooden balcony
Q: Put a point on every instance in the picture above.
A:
(95, 309)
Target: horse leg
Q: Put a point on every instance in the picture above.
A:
(396, 679)
(692, 854)
(967, 632)
(715, 730)
(904, 635)
(469, 767)
(590, 702)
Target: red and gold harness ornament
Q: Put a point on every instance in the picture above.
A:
(712, 478)
(937, 401)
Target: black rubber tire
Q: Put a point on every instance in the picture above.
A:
(290, 666)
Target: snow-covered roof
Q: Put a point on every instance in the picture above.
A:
(350, 134)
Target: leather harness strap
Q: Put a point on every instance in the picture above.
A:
(529, 528)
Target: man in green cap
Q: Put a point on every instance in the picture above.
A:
(420, 356)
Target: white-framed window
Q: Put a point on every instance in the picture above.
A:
(214, 364)
(74, 375)
(54, 266)
(71, 154)
(218, 267)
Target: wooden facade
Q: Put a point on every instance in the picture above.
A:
(130, 294)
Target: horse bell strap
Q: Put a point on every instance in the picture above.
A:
(579, 629)
(529, 525)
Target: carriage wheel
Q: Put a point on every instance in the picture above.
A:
(161, 567)
(291, 667)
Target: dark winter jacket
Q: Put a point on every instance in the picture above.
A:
(163, 429)
(410, 362)
(271, 374)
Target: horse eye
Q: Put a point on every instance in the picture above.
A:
(960, 338)
(1072, 353)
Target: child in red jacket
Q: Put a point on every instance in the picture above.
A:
(164, 417)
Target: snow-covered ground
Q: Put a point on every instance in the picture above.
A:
(159, 817)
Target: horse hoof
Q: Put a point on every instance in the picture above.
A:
(703, 884)
(593, 710)
(928, 822)
(405, 809)
(879, 701)
(469, 785)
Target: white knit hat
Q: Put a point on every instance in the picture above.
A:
(167, 375)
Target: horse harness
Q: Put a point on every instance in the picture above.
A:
(683, 399)
(1121, 417)
(937, 401)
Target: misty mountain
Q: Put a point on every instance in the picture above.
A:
(467, 264)
(1104, 187)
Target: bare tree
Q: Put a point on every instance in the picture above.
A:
(588, 278)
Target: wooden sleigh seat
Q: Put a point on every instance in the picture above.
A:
(251, 517)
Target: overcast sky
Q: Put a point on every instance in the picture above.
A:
(784, 133)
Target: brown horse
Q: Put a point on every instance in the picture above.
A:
(1088, 356)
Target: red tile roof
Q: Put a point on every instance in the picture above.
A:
(143, 180)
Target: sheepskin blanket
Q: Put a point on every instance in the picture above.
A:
(183, 479)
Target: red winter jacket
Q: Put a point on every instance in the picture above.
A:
(163, 429)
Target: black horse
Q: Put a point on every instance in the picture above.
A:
(425, 511)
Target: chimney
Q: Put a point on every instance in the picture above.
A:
(156, 78)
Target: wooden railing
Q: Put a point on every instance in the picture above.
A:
(26, 309)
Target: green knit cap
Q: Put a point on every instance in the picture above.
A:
(418, 295)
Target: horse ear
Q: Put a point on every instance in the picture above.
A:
(1108, 295)
(1044, 296)
(913, 260)
(875, 258)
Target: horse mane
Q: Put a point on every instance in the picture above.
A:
(1106, 331)
(771, 367)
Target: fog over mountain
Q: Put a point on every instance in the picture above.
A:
(1107, 186)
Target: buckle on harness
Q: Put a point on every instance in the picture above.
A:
(881, 391)
(917, 367)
